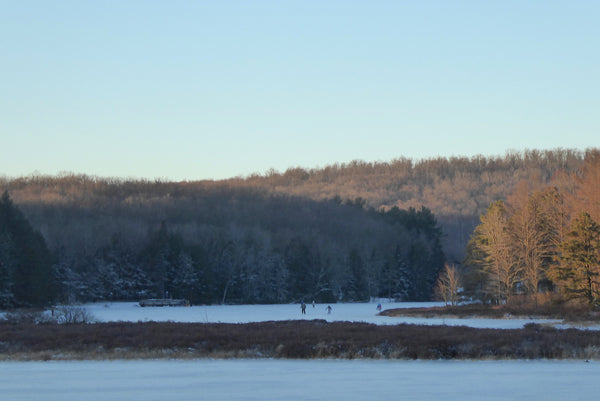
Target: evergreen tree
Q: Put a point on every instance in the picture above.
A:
(420, 259)
(159, 258)
(70, 284)
(358, 289)
(185, 280)
(7, 266)
(298, 264)
(421, 280)
(25, 261)
(395, 277)
(579, 272)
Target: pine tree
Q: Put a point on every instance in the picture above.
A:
(185, 281)
(579, 272)
(358, 289)
(395, 277)
(298, 263)
(25, 261)
(7, 266)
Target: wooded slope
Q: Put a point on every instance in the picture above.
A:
(457, 189)
(340, 232)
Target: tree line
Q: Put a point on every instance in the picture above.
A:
(456, 189)
(219, 246)
(345, 231)
(541, 239)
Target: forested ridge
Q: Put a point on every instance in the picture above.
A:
(456, 189)
(342, 232)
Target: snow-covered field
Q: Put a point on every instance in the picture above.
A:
(354, 312)
(300, 380)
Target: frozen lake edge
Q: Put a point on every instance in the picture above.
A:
(300, 380)
(350, 331)
(351, 312)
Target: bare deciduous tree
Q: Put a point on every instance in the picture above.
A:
(448, 285)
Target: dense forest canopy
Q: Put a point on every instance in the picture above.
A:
(232, 246)
(346, 231)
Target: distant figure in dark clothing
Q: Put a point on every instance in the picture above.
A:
(329, 309)
(313, 303)
(303, 307)
(379, 307)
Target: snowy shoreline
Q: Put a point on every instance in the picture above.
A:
(351, 312)
(302, 380)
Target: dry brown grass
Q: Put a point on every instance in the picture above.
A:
(289, 339)
(518, 307)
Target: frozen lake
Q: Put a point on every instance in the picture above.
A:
(300, 380)
(268, 379)
(353, 312)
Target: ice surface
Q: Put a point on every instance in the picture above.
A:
(300, 380)
(291, 379)
(353, 312)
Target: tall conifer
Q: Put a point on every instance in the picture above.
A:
(25, 261)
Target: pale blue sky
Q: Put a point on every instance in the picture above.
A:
(215, 89)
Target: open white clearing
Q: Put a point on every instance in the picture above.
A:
(353, 312)
(300, 380)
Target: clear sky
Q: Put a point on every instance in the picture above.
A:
(215, 89)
